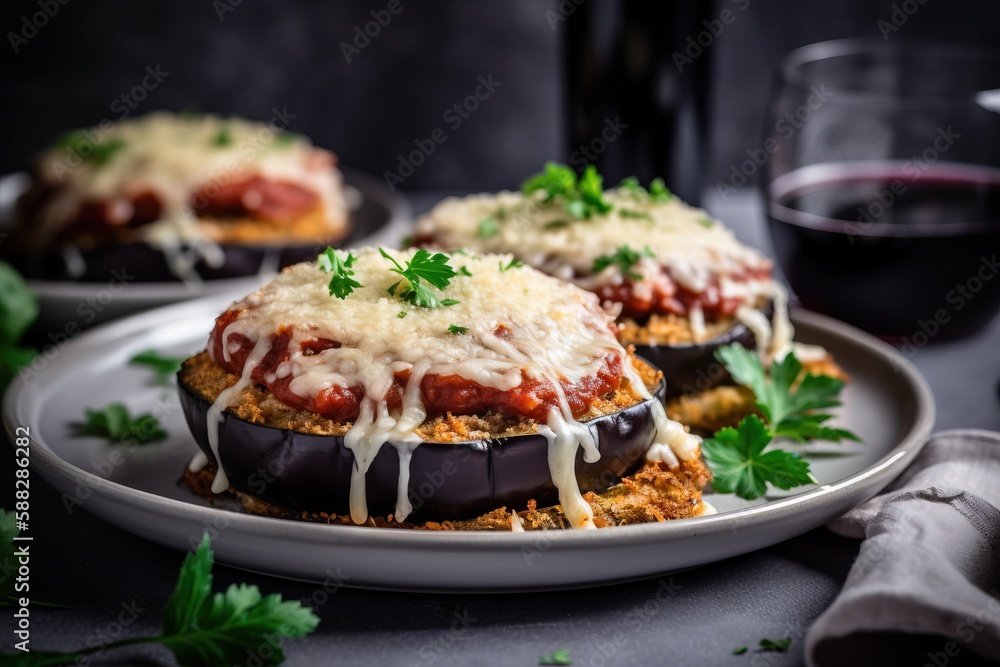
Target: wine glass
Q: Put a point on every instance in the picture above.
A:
(881, 176)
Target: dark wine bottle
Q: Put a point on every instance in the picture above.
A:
(636, 77)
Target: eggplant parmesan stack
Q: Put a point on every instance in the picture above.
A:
(176, 197)
(679, 282)
(405, 388)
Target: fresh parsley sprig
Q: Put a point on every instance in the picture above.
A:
(625, 258)
(740, 465)
(657, 191)
(790, 409)
(223, 138)
(342, 283)
(422, 272)
(100, 152)
(487, 228)
(206, 630)
(775, 646)
(736, 456)
(163, 368)
(18, 310)
(560, 658)
(514, 263)
(116, 424)
(581, 197)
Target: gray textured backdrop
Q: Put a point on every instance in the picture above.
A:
(261, 55)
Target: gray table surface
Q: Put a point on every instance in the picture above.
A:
(776, 592)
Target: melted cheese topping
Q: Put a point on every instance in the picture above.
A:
(554, 331)
(685, 239)
(174, 157)
(696, 250)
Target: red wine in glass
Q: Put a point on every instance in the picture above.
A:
(907, 250)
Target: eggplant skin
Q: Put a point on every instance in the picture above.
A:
(692, 369)
(312, 473)
(144, 264)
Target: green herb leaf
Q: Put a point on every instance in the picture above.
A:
(456, 330)
(464, 271)
(658, 190)
(739, 464)
(422, 271)
(625, 258)
(341, 282)
(790, 411)
(487, 228)
(581, 197)
(637, 215)
(705, 222)
(592, 191)
(401, 314)
(8, 564)
(556, 224)
(514, 263)
(103, 152)
(740, 651)
(556, 658)
(202, 629)
(18, 305)
(206, 630)
(114, 423)
(163, 367)
(779, 646)
(77, 141)
(286, 138)
(556, 180)
(630, 184)
(223, 138)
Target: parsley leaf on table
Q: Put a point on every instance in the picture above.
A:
(206, 630)
(18, 310)
(18, 306)
(789, 409)
(116, 424)
(341, 282)
(740, 465)
(560, 657)
(779, 646)
(8, 564)
(422, 271)
(625, 257)
(163, 367)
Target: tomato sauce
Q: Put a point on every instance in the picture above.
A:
(532, 398)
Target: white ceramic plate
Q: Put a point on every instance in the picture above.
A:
(887, 403)
(378, 216)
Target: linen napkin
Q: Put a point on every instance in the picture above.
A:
(925, 588)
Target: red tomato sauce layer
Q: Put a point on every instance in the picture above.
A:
(440, 394)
